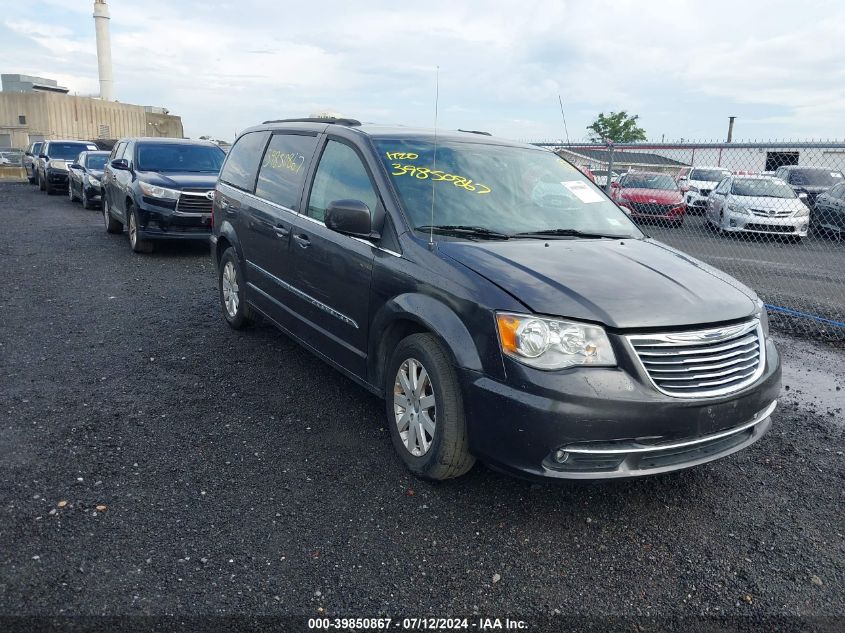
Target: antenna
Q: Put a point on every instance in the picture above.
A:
(563, 116)
(434, 159)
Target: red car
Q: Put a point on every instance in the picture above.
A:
(651, 196)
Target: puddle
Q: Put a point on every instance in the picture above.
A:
(815, 375)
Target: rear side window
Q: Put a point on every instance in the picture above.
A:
(284, 167)
(242, 161)
(118, 151)
(340, 176)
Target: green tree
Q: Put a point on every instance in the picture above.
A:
(618, 127)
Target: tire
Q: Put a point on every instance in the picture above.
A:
(112, 225)
(230, 288)
(70, 195)
(446, 454)
(137, 245)
(86, 203)
(31, 178)
(40, 183)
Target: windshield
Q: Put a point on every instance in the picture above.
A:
(36, 149)
(506, 190)
(67, 151)
(814, 177)
(178, 157)
(96, 161)
(650, 181)
(709, 175)
(764, 187)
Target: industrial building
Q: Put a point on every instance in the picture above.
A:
(37, 108)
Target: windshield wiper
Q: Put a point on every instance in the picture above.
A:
(569, 233)
(462, 230)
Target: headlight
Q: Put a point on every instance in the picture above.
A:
(553, 343)
(763, 316)
(153, 191)
(94, 182)
(693, 189)
(738, 208)
(57, 164)
(802, 213)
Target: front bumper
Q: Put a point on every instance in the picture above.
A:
(695, 200)
(740, 222)
(601, 423)
(93, 193)
(161, 223)
(57, 177)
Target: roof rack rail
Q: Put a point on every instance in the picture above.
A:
(332, 120)
(475, 132)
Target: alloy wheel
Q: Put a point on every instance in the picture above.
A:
(133, 230)
(414, 407)
(230, 289)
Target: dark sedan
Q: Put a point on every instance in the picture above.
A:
(85, 177)
(828, 215)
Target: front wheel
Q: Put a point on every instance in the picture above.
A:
(138, 245)
(230, 283)
(112, 225)
(425, 409)
(70, 195)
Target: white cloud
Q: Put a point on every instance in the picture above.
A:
(683, 66)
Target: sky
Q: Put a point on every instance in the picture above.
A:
(683, 66)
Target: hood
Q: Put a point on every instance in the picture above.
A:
(96, 173)
(654, 196)
(703, 184)
(177, 180)
(759, 202)
(620, 283)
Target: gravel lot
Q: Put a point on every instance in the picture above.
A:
(236, 473)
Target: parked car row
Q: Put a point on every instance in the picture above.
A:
(501, 304)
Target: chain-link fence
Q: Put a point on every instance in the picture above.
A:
(770, 214)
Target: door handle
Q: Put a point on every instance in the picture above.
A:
(281, 231)
(302, 240)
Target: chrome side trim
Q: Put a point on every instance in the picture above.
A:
(639, 448)
(305, 297)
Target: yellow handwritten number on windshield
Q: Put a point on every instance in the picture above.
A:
(424, 173)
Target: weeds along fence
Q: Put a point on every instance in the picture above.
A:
(770, 214)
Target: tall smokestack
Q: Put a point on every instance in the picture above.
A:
(101, 25)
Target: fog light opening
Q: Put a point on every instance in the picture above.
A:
(561, 456)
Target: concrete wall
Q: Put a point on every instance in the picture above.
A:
(64, 116)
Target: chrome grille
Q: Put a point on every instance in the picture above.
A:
(700, 363)
(772, 213)
(194, 202)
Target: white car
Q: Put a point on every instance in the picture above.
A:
(757, 204)
(698, 184)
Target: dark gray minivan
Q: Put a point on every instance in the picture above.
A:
(501, 304)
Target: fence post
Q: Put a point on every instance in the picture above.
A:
(609, 167)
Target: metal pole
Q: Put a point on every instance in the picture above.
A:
(609, 168)
(731, 128)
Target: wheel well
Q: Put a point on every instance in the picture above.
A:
(395, 332)
(222, 245)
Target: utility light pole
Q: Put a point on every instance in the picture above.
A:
(731, 128)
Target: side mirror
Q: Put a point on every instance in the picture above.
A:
(120, 164)
(802, 196)
(350, 217)
(614, 184)
(76, 166)
(42, 156)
